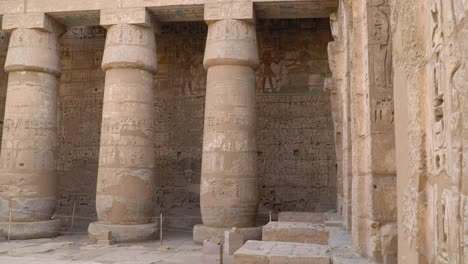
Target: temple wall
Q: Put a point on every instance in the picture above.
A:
(296, 154)
(361, 62)
(431, 79)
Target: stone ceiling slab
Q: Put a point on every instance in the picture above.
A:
(86, 12)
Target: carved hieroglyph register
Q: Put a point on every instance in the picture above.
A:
(126, 183)
(28, 181)
(229, 171)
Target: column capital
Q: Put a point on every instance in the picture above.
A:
(130, 46)
(231, 42)
(229, 9)
(137, 16)
(39, 21)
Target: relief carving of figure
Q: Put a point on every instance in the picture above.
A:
(267, 60)
(186, 61)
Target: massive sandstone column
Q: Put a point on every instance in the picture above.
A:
(28, 181)
(125, 196)
(229, 171)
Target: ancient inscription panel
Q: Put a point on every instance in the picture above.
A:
(294, 125)
(79, 123)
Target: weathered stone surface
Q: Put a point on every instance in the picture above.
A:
(229, 194)
(289, 110)
(28, 182)
(31, 230)
(233, 240)
(126, 182)
(211, 247)
(123, 233)
(202, 232)
(168, 10)
(362, 48)
(295, 232)
(431, 103)
(50, 246)
(265, 252)
(305, 217)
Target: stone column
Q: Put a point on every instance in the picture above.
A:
(229, 171)
(125, 196)
(28, 181)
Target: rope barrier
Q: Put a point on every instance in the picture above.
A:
(73, 215)
(160, 229)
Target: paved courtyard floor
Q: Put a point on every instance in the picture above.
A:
(178, 247)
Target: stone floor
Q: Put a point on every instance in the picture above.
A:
(177, 248)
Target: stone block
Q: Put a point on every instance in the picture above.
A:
(32, 20)
(268, 252)
(306, 217)
(105, 238)
(232, 241)
(212, 247)
(3, 235)
(133, 16)
(123, 233)
(295, 232)
(334, 223)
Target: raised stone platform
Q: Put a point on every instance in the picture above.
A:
(295, 232)
(306, 217)
(31, 230)
(328, 218)
(201, 233)
(124, 233)
(267, 252)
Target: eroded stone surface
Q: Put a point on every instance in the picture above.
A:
(202, 232)
(295, 232)
(264, 252)
(126, 182)
(229, 194)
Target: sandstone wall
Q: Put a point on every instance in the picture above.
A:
(431, 79)
(361, 62)
(294, 127)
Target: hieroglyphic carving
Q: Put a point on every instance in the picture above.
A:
(382, 111)
(233, 9)
(294, 176)
(295, 62)
(380, 45)
(180, 49)
(439, 115)
(464, 227)
(442, 230)
(79, 121)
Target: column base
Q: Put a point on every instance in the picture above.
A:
(124, 233)
(31, 230)
(202, 232)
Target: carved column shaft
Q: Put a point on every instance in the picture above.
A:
(229, 170)
(125, 196)
(28, 181)
(126, 184)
